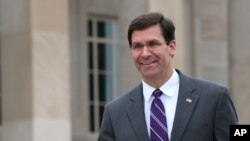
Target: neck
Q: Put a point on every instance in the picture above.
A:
(157, 82)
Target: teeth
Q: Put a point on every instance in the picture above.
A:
(147, 63)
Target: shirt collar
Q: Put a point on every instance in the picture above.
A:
(167, 88)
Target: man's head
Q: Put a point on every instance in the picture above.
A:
(147, 20)
(152, 42)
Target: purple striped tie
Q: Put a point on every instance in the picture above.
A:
(158, 120)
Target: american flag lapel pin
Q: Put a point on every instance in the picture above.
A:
(189, 101)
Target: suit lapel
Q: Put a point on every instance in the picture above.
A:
(135, 111)
(185, 106)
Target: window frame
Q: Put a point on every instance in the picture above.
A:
(111, 41)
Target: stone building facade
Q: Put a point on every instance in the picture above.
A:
(63, 60)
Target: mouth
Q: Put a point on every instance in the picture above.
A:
(146, 63)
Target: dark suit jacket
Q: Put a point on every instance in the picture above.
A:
(206, 118)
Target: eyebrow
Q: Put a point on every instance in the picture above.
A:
(152, 40)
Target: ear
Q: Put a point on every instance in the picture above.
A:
(172, 47)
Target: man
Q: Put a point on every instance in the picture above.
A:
(167, 105)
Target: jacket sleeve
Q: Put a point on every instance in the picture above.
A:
(224, 117)
(106, 130)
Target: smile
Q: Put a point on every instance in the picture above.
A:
(148, 63)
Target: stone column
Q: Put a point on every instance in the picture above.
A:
(210, 40)
(240, 57)
(35, 62)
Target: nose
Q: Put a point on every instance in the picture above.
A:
(145, 51)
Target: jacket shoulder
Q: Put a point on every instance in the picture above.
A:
(121, 101)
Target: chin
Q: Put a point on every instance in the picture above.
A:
(149, 75)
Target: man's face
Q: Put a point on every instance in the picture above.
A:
(151, 54)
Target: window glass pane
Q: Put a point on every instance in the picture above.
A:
(104, 87)
(91, 117)
(103, 29)
(104, 56)
(101, 110)
(90, 28)
(91, 87)
(90, 54)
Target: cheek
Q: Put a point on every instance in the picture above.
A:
(135, 57)
(165, 57)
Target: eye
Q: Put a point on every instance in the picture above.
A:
(137, 46)
(153, 44)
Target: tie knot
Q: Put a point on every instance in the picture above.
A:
(157, 93)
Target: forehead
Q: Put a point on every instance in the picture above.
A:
(147, 34)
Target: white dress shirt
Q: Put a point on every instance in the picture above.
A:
(170, 91)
